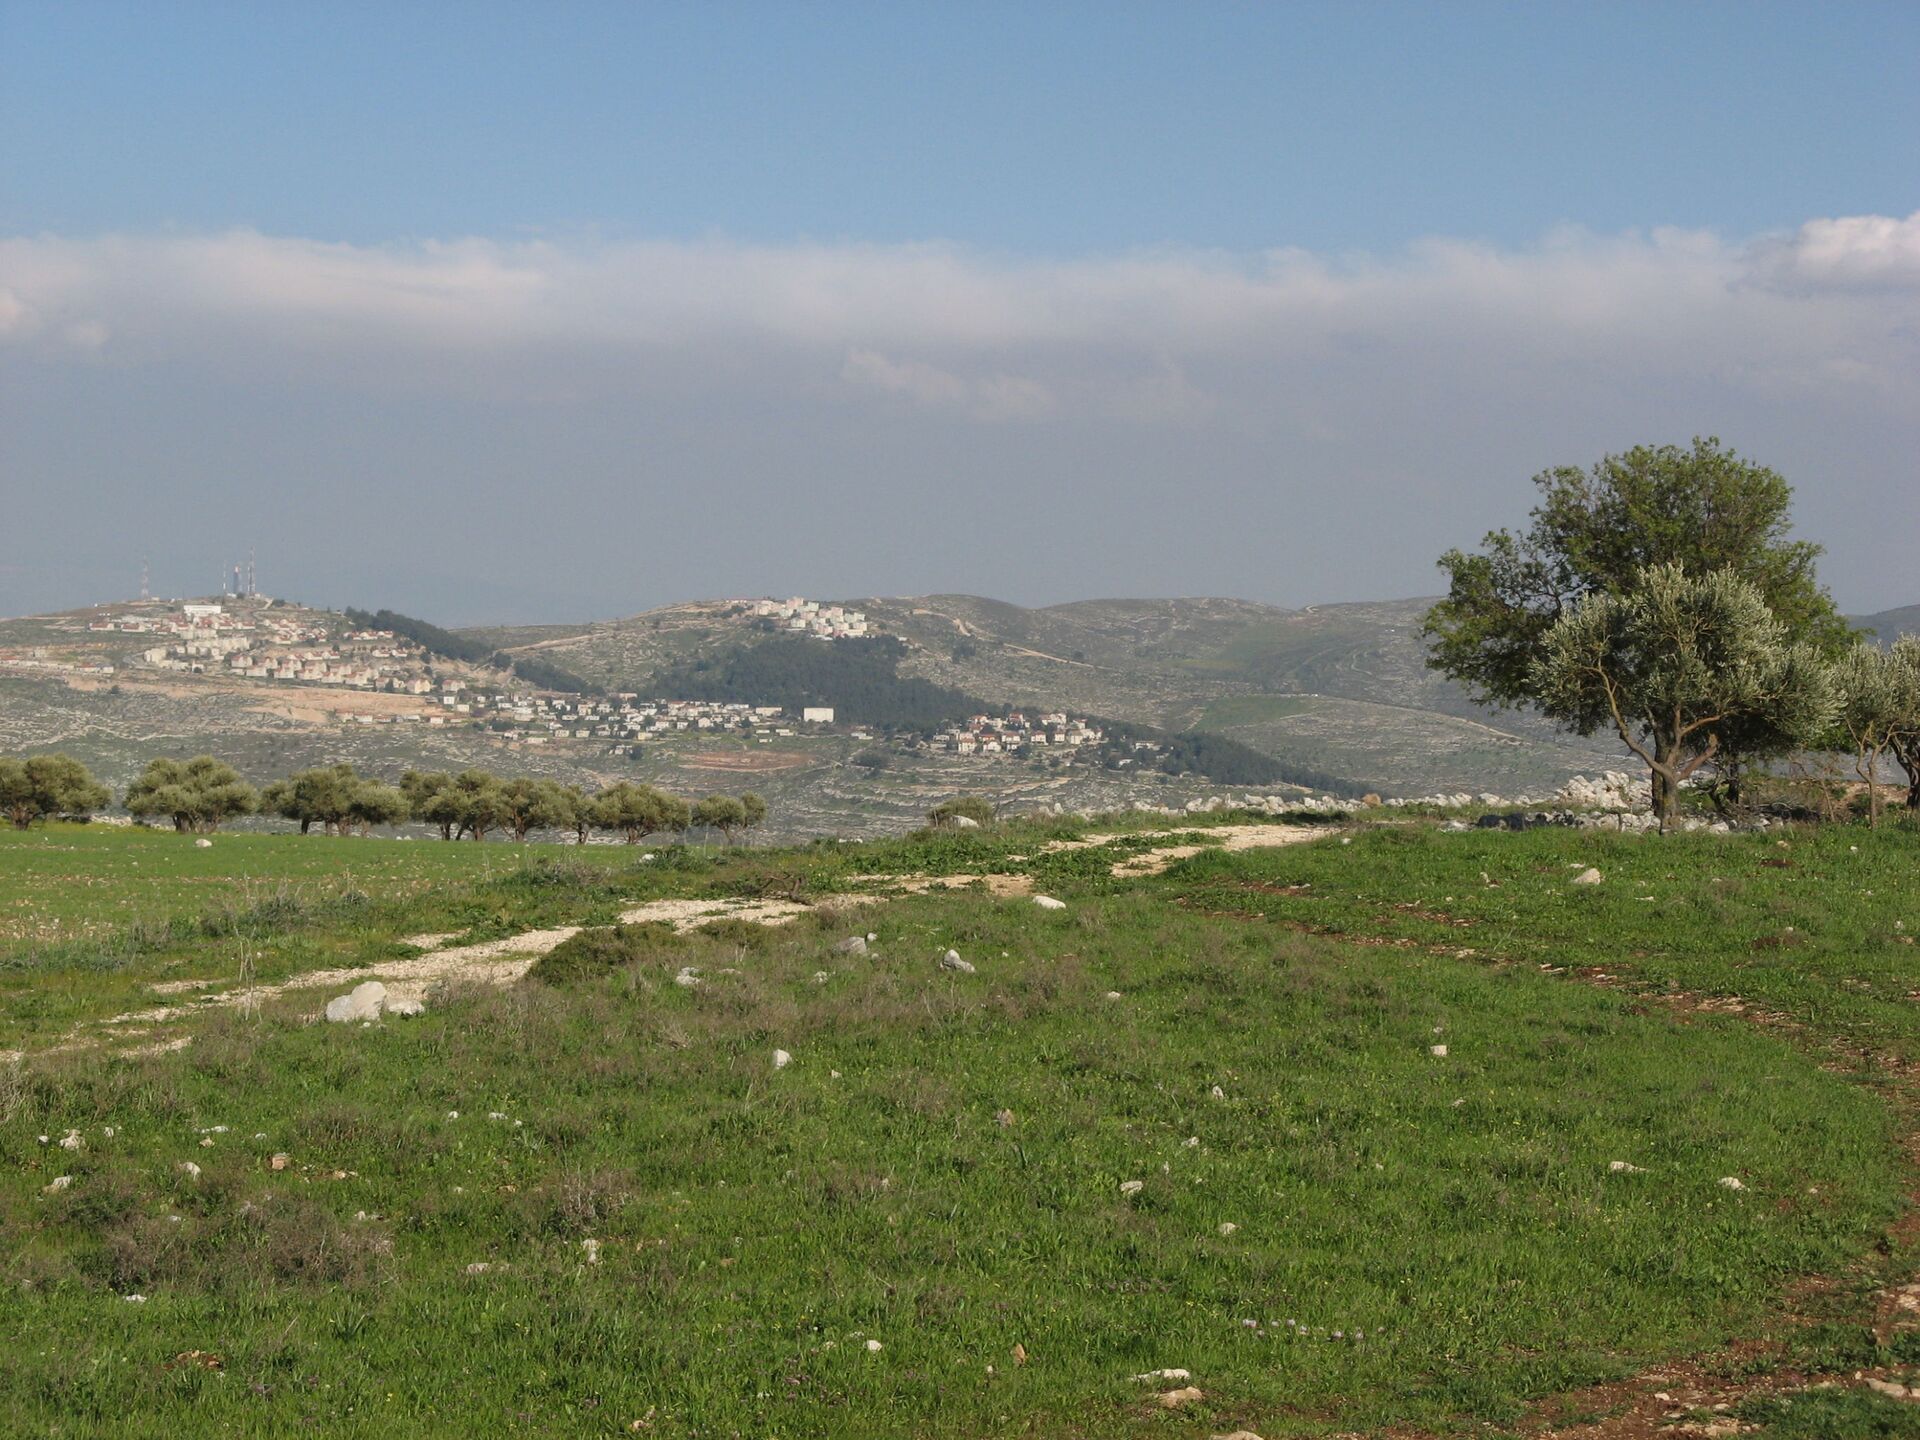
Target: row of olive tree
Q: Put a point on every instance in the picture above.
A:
(1659, 595)
(199, 795)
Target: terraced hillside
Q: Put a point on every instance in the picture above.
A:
(1341, 689)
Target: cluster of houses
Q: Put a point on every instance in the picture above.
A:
(625, 720)
(255, 644)
(1018, 733)
(810, 617)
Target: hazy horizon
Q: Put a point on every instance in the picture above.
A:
(499, 318)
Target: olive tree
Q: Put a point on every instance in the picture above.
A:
(637, 811)
(1593, 532)
(322, 796)
(722, 813)
(196, 795)
(43, 786)
(1673, 665)
(1905, 739)
(1878, 695)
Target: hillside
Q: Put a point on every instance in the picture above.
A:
(1331, 693)
(1341, 689)
(1890, 625)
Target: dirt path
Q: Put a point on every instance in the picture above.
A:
(491, 962)
(1229, 838)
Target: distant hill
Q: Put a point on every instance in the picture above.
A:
(1890, 625)
(1335, 690)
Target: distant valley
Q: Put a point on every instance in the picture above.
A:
(1110, 696)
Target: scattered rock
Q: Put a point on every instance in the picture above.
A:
(1588, 876)
(1003, 1118)
(1890, 1389)
(188, 1169)
(964, 822)
(1731, 1182)
(203, 843)
(1622, 1167)
(874, 1347)
(1114, 995)
(1439, 1051)
(134, 1299)
(1047, 902)
(852, 945)
(952, 961)
(1152, 1375)
(1174, 1399)
(405, 1008)
(56, 1185)
(781, 1059)
(1227, 1227)
(363, 1002)
(1238, 1435)
(1132, 1187)
(689, 977)
(478, 1267)
(592, 1247)
(72, 1141)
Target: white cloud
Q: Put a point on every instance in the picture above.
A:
(1857, 251)
(996, 338)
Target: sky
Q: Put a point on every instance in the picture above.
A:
(562, 311)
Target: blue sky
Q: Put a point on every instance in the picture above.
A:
(1055, 128)
(1266, 300)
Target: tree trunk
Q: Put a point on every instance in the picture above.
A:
(1666, 794)
(1907, 752)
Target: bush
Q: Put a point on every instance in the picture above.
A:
(593, 953)
(976, 808)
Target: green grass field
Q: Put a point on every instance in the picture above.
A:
(1334, 1228)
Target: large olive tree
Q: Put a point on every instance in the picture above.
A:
(1701, 507)
(1673, 665)
(47, 785)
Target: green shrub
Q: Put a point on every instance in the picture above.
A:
(601, 951)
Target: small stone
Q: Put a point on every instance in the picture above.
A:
(952, 961)
(1731, 1182)
(820, 977)
(1174, 1399)
(781, 1059)
(1132, 1187)
(406, 1009)
(478, 1267)
(207, 1143)
(1588, 876)
(592, 1247)
(852, 945)
(688, 977)
(1622, 1167)
(1152, 1375)
(1003, 1118)
(1114, 995)
(108, 1131)
(1238, 1435)
(72, 1141)
(874, 1347)
(56, 1185)
(134, 1299)
(453, 1114)
(1047, 902)
(1438, 1051)
(188, 1169)
(203, 843)
(1227, 1227)
(1218, 1093)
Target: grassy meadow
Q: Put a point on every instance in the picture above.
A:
(1193, 1120)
